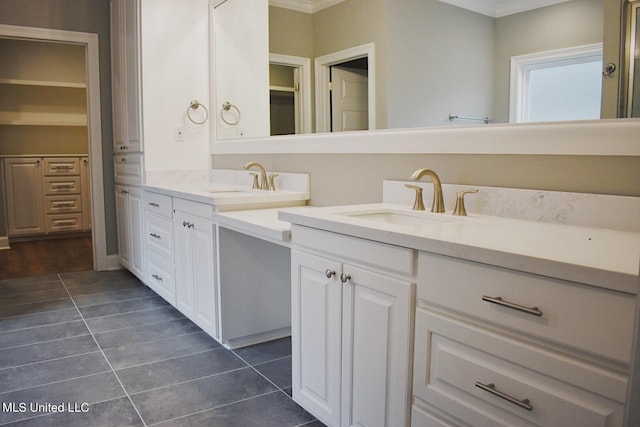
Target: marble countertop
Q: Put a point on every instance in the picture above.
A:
(594, 256)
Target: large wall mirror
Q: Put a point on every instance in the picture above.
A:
(416, 63)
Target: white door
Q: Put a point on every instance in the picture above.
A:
(316, 335)
(183, 241)
(204, 276)
(376, 344)
(349, 99)
(25, 196)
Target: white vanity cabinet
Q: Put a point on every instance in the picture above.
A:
(195, 263)
(129, 211)
(351, 328)
(497, 347)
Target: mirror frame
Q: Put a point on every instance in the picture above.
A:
(604, 137)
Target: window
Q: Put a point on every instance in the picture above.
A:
(556, 85)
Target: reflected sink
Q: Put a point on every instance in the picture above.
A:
(399, 217)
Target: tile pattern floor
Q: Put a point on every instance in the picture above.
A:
(115, 354)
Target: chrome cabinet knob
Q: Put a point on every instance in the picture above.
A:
(329, 273)
(344, 278)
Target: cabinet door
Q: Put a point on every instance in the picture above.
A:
(204, 276)
(85, 175)
(194, 242)
(25, 196)
(122, 214)
(376, 344)
(136, 211)
(316, 335)
(125, 74)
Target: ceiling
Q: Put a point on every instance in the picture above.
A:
(493, 8)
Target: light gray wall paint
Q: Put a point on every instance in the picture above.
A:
(442, 65)
(90, 16)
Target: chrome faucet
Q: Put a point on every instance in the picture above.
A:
(264, 183)
(438, 200)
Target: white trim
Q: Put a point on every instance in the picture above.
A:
(4, 243)
(304, 65)
(521, 65)
(609, 137)
(90, 41)
(322, 72)
(630, 55)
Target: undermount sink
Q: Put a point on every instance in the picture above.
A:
(399, 217)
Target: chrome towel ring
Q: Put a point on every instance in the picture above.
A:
(195, 104)
(226, 107)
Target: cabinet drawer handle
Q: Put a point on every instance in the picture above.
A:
(155, 236)
(344, 278)
(187, 224)
(329, 273)
(491, 388)
(155, 205)
(535, 311)
(155, 276)
(65, 223)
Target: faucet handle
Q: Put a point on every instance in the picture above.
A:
(272, 185)
(459, 209)
(256, 184)
(418, 204)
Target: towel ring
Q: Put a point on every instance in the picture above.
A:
(226, 106)
(195, 104)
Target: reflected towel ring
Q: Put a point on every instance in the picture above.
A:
(226, 106)
(195, 104)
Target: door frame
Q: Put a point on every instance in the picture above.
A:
(94, 124)
(304, 66)
(323, 66)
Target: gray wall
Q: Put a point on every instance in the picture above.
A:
(90, 16)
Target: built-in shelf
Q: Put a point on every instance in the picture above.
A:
(42, 119)
(24, 82)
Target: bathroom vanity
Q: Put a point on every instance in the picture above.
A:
(412, 318)
(216, 251)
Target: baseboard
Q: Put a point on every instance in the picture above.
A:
(4, 242)
(113, 262)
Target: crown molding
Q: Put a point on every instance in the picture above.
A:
(499, 8)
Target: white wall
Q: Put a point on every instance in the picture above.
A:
(175, 70)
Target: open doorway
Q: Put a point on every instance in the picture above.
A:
(51, 149)
(289, 94)
(345, 90)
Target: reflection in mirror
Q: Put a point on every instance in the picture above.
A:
(633, 59)
(433, 59)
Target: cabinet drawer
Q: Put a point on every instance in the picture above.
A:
(486, 379)
(127, 169)
(158, 235)
(63, 222)
(62, 204)
(62, 166)
(160, 278)
(362, 251)
(579, 316)
(62, 185)
(158, 203)
(202, 210)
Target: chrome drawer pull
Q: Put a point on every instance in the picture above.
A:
(491, 388)
(535, 311)
(155, 205)
(155, 276)
(154, 235)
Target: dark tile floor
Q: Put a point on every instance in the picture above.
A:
(113, 353)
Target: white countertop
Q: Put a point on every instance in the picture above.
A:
(225, 197)
(599, 257)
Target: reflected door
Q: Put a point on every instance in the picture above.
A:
(349, 99)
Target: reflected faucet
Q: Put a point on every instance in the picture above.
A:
(264, 183)
(438, 200)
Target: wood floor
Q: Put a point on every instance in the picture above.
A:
(38, 257)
